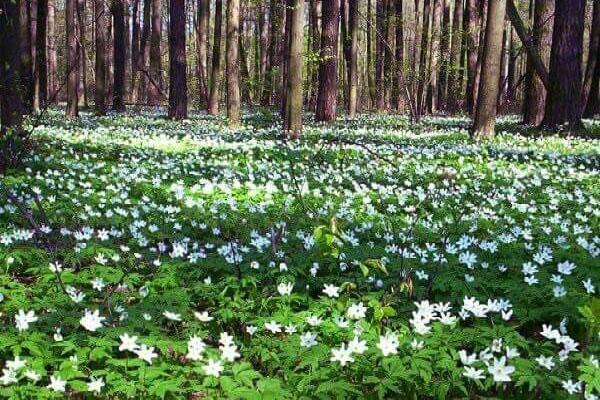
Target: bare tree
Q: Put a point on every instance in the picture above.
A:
(233, 62)
(155, 87)
(118, 11)
(215, 78)
(327, 95)
(72, 61)
(292, 121)
(177, 61)
(100, 66)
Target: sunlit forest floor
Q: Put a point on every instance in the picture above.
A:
(370, 259)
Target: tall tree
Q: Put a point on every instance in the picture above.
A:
(327, 95)
(292, 121)
(593, 54)
(41, 87)
(454, 68)
(233, 62)
(592, 108)
(353, 9)
(563, 104)
(314, 14)
(471, 22)
(72, 60)
(177, 61)
(535, 92)
(423, 67)
(215, 78)
(380, 8)
(135, 50)
(100, 67)
(33, 25)
(26, 68)
(82, 52)
(263, 29)
(487, 102)
(399, 56)
(446, 34)
(434, 61)
(118, 11)
(52, 59)
(155, 75)
(144, 53)
(202, 50)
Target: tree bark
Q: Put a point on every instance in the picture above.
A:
(541, 41)
(472, 39)
(41, 50)
(263, 28)
(380, 54)
(445, 55)
(423, 67)
(155, 86)
(399, 74)
(233, 62)
(33, 25)
(353, 62)
(100, 67)
(135, 51)
(327, 95)
(202, 51)
(11, 105)
(26, 68)
(144, 53)
(455, 68)
(177, 61)
(215, 79)
(592, 107)
(593, 54)
(563, 104)
(487, 103)
(435, 56)
(72, 61)
(118, 56)
(292, 122)
(52, 61)
(81, 53)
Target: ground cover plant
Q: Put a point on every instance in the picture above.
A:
(373, 258)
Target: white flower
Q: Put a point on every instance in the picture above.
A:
(571, 387)
(229, 353)
(146, 353)
(467, 359)
(500, 371)
(473, 373)
(172, 316)
(388, 344)
(285, 289)
(8, 376)
(331, 290)
(95, 385)
(203, 316)
(273, 326)
(251, 329)
(308, 339)
(213, 368)
(195, 348)
(32, 375)
(15, 364)
(128, 343)
(91, 320)
(23, 320)
(343, 355)
(565, 267)
(356, 311)
(357, 346)
(313, 320)
(98, 284)
(546, 362)
(57, 384)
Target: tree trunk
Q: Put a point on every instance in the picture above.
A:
(144, 53)
(177, 61)
(202, 51)
(100, 67)
(327, 95)
(81, 53)
(455, 67)
(285, 56)
(155, 87)
(215, 79)
(399, 74)
(593, 53)
(370, 81)
(11, 106)
(233, 62)
(535, 92)
(135, 51)
(435, 55)
(118, 56)
(423, 68)
(472, 39)
(483, 6)
(563, 104)
(592, 107)
(33, 24)
(263, 28)
(353, 62)
(26, 67)
(315, 45)
(292, 122)
(52, 61)
(41, 39)
(380, 54)
(72, 61)
(487, 102)
(445, 56)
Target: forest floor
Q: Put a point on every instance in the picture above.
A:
(371, 259)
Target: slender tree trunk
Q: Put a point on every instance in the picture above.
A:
(72, 61)
(423, 67)
(535, 92)
(155, 86)
(434, 69)
(388, 59)
(563, 104)
(81, 53)
(455, 67)
(327, 95)
(119, 56)
(11, 105)
(233, 62)
(135, 51)
(144, 53)
(202, 51)
(275, 14)
(593, 54)
(52, 61)
(246, 95)
(177, 61)
(487, 103)
(380, 53)
(446, 33)
(263, 29)
(483, 6)
(33, 25)
(41, 50)
(26, 67)
(215, 79)
(353, 10)
(315, 43)
(472, 39)
(285, 56)
(592, 107)
(399, 73)
(370, 81)
(292, 122)
(100, 67)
